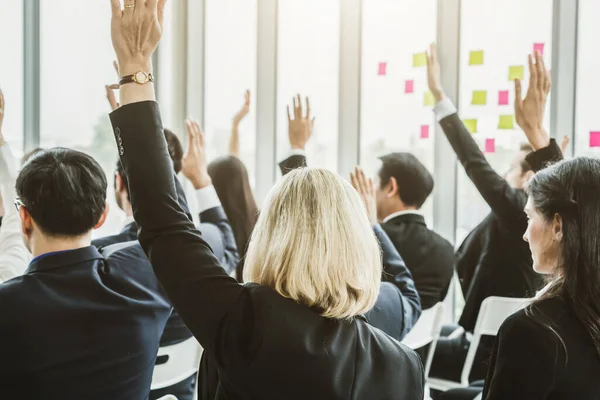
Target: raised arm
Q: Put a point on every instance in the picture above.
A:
(397, 310)
(14, 256)
(191, 276)
(300, 129)
(504, 201)
(234, 140)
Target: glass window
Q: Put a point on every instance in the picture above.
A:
(394, 116)
(308, 64)
(11, 70)
(79, 118)
(230, 70)
(495, 36)
(587, 119)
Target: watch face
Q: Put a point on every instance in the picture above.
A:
(141, 77)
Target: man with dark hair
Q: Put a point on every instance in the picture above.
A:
(77, 324)
(404, 186)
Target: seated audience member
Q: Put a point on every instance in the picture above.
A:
(404, 185)
(505, 267)
(312, 272)
(79, 325)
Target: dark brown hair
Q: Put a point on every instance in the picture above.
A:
(230, 179)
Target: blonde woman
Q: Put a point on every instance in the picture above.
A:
(297, 331)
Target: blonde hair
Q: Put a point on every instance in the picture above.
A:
(313, 243)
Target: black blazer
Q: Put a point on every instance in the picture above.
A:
(264, 345)
(505, 265)
(428, 256)
(78, 326)
(529, 361)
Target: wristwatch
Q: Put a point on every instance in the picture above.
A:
(139, 77)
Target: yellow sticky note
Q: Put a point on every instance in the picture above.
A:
(479, 98)
(419, 59)
(516, 72)
(476, 58)
(429, 100)
(506, 122)
(471, 125)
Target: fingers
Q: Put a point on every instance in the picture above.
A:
(129, 6)
(139, 4)
(533, 80)
(190, 133)
(307, 108)
(518, 92)
(289, 114)
(115, 6)
(247, 98)
(160, 10)
(110, 96)
(116, 65)
(541, 73)
(1, 101)
(297, 107)
(432, 57)
(353, 180)
(564, 144)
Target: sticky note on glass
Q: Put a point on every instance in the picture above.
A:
(382, 68)
(490, 145)
(409, 86)
(538, 47)
(594, 139)
(506, 122)
(503, 98)
(479, 98)
(424, 131)
(516, 72)
(471, 125)
(429, 100)
(476, 58)
(419, 59)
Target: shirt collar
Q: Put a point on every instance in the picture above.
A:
(63, 258)
(399, 213)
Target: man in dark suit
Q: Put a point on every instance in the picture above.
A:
(215, 229)
(76, 325)
(404, 185)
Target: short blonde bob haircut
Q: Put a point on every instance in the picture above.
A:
(313, 243)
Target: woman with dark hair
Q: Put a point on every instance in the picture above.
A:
(551, 349)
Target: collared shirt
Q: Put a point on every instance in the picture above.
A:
(128, 221)
(399, 213)
(207, 198)
(42, 256)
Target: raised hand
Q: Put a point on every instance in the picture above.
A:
(529, 112)
(2, 105)
(194, 166)
(240, 115)
(434, 79)
(366, 190)
(110, 94)
(301, 127)
(564, 144)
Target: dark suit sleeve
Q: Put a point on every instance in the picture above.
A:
(192, 277)
(217, 217)
(291, 163)
(405, 301)
(523, 361)
(542, 158)
(507, 203)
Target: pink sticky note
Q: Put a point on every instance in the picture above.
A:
(503, 98)
(490, 145)
(382, 68)
(409, 86)
(538, 47)
(424, 131)
(595, 139)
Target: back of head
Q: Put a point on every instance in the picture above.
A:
(313, 243)
(230, 179)
(63, 190)
(415, 183)
(571, 190)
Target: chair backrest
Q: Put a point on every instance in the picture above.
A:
(183, 360)
(426, 329)
(494, 310)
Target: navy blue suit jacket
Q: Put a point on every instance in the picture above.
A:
(79, 326)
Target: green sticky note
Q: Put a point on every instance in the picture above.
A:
(479, 98)
(476, 58)
(516, 72)
(471, 125)
(506, 122)
(429, 100)
(419, 59)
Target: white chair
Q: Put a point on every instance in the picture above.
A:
(493, 312)
(182, 362)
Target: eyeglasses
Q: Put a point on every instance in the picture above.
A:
(18, 204)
